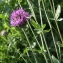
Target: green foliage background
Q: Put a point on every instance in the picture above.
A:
(14, 47)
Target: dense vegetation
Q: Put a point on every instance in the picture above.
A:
(40, 37)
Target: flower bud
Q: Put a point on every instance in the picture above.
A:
(3, 33)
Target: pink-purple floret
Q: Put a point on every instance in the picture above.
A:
(19, 17)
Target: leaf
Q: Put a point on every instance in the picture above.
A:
(41, 29)
(5, 25)
(43, 26)
(35, 24)
(58, 11)
(61, 19)
(19, 1)
(25, 50)
(46, 31)
(1, 16)
(39, 32)
(55, 60)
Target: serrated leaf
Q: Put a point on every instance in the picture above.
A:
(58, 11)
(55, 60)
(35, 24)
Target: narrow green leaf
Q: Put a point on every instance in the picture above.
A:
(43, 26)
(58, 11)
(55, 60)
(5, 25)
(61, 19)
(25, 50)
(35, 24)
(41, 29)
(46, 30)
(1, 16)
(19, 0)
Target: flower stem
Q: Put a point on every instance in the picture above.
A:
(51, 32)
(29, 45)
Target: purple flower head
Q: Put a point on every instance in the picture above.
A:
(19, 17)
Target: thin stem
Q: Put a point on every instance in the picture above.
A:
(19, 4)
(45, 57)
(43, 35)
(60, 54)
(31, 8)
(29, 45)
(32, 11)
(21, 55)
(38, 43)
(43, 48)
(40, 12)
(27, 38)
(23, 58)
(29, 57)
(34, 35)
(47, 49)
(40, 34)
(51, 29)
(59, 51)
(41, 20)
(57, 23)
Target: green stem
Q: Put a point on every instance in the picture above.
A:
(32, 11)
(34, 35)
(57, 23)
(51, 30)
(47, 49)
(29, 57)
(58, 43)
(53, 11)
(45, 57)
(19, 4)
(29, 44)
(23, 58)
(31, 28)
(40, 34)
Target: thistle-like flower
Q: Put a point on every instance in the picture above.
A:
(19, 17)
